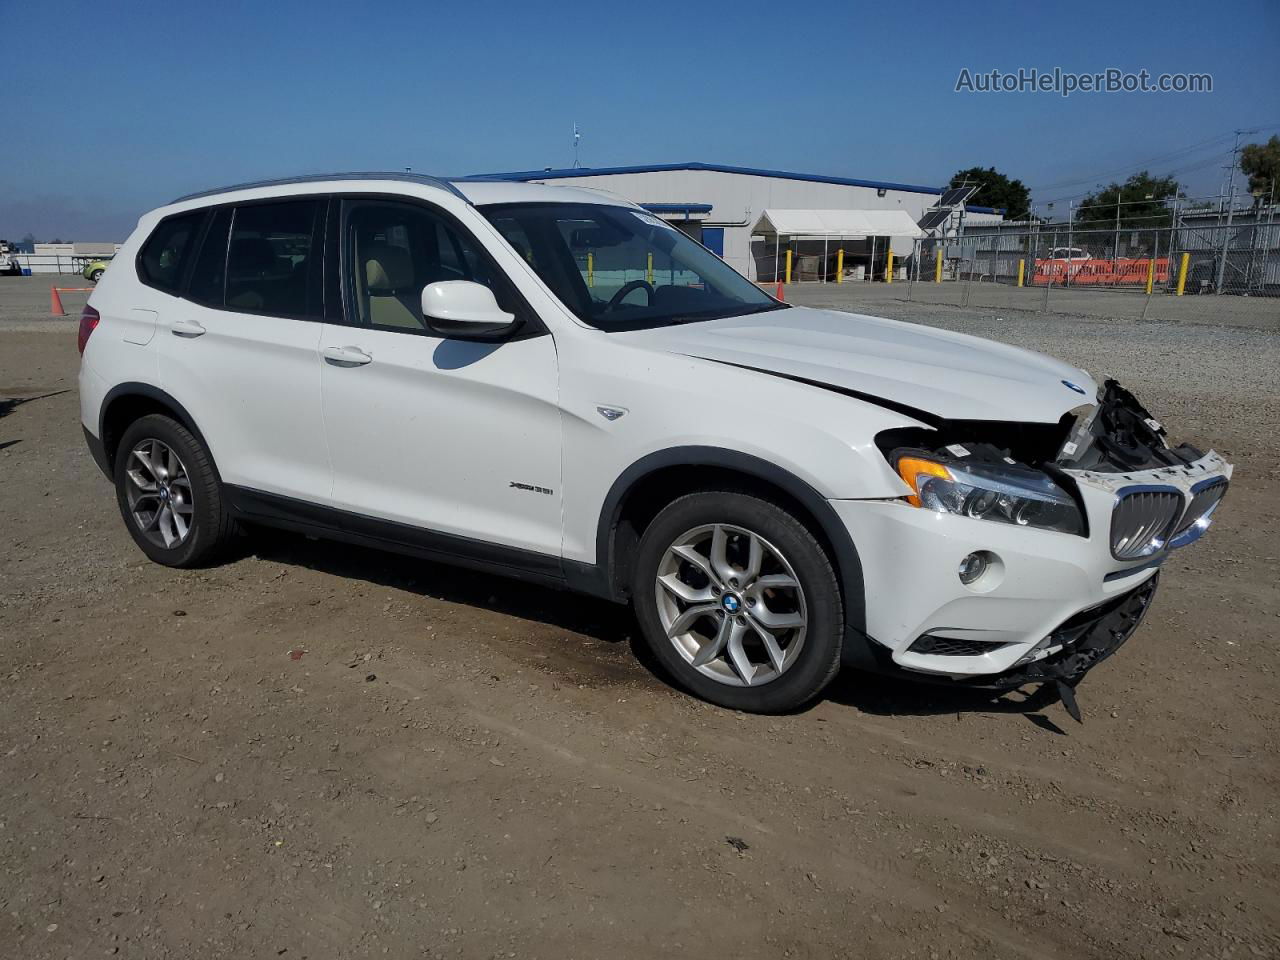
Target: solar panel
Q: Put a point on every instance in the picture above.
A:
(957, 195)
(934, 218)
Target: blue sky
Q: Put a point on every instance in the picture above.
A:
(115, 108)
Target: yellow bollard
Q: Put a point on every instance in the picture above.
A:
(591, 269)
(840, 265)
(1182, 272)
(1151, 274)
(888, 267)
(1022, 268)
(937, 269)
(788, 280)
(648, 274)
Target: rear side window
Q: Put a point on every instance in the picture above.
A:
(274, 260)
(209, 275)
(168, 250)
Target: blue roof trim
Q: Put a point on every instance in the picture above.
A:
(677, 207)
(713, 167)
(564, 173)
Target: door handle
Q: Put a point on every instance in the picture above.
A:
(345, 356)
(187, 328)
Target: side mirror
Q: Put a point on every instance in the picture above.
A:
(461, 308)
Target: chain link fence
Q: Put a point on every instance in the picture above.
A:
(1056, 268)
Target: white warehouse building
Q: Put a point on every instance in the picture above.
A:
(747, 214)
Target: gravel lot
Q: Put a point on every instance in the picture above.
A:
(1259, 313)
(317, 751)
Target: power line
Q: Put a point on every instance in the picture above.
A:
(1184, 151)
(1223, 138)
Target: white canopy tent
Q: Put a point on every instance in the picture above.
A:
(862, 234)
(842, 225)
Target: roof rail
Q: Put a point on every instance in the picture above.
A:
(420, 178)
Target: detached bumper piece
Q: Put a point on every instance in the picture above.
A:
(1079, 645)
(1082, 643)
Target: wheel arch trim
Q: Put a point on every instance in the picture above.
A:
(847, 560)
(151, 392)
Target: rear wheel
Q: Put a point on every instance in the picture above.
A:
(96, 275)
(169, 494)
(739, 601)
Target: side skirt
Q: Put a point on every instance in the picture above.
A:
(300, 516)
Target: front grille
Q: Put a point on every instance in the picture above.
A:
(951, 646)
(1142, 520)
(1195, 521)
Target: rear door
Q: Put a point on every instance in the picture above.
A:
(444, 435)
(240, 349)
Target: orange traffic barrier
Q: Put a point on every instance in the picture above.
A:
(55, 301)
(1102, 272)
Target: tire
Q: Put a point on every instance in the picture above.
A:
(680, 546)
(198, 528)
(96, 275)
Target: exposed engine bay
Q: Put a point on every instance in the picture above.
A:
(1115, 435)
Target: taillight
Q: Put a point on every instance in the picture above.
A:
(89, 319)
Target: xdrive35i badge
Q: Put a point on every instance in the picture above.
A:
(531, 488)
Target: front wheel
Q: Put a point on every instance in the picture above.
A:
(96, 275)
(739, 601)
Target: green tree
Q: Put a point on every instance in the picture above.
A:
(997, 190)
(1261, 163)
(1140, 200)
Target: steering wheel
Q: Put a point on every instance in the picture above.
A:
(616, 300)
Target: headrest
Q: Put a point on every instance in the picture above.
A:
(387, 268)
(252, 253)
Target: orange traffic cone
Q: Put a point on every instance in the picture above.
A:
(780, 295)
(55, 303)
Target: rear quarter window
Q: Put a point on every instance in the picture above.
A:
(165, 255)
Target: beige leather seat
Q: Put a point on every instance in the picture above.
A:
(392, 297)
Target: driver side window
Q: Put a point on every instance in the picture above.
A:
(393, 250)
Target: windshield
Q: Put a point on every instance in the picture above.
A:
(618, 268)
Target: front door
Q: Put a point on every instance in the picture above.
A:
(443, 435)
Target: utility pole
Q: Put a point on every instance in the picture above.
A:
(1071, 229)
(1115, 246)
(1231, 197)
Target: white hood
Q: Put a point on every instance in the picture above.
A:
(950, 375)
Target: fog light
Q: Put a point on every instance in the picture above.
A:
(973, 566)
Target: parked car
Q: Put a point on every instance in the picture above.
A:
(1069, 253)
(552, 384)
(94, 269)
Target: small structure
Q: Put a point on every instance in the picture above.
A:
(826, 243)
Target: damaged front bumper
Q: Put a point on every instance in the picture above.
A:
(1079, 644)
(1051, 606)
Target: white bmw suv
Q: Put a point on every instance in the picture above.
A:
(552, 384)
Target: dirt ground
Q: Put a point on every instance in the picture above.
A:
(317, 751)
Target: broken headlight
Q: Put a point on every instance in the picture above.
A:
(1015, 495)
